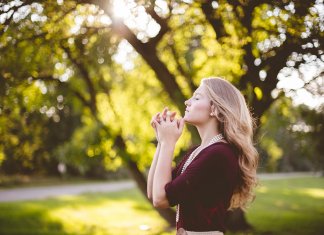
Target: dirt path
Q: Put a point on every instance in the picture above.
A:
(32, 193)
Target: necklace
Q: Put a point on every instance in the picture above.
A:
(192, 156)
(197, 150)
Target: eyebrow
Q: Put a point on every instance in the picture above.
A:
(197, 93)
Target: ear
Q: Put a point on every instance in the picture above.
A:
(212, 108)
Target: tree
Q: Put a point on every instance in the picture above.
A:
(291, 135)
(249, 42)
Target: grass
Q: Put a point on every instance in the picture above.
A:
(94, 214)
(290, 206)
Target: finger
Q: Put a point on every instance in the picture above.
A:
(165, 110)
(173, 114)
(158, 118)
(154, 118)
(168, 117)
(156, 123)
(152, 122)
(156, 115)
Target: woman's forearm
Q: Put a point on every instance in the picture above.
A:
(163, 174)
(151, 172)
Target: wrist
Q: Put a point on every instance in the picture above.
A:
(167, 143)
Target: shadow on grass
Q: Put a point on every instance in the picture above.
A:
(27, 219)
(126, 212)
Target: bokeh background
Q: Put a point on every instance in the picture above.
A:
(81, 80)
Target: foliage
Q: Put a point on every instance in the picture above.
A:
(79, 63)
(30, 130)
(291, 138)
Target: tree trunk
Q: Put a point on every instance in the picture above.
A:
(236, 221)
(167, 214)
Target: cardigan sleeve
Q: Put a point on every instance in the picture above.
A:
(209, 169)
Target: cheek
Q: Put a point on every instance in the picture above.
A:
(202, 107)
(201, 110)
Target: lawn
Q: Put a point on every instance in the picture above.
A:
(292, 206)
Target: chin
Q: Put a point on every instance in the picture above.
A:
(187, 121)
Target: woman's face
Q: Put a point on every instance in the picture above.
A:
(198, 107)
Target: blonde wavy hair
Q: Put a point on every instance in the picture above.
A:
(237, 125)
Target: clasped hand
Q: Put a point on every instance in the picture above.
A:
(167, 128)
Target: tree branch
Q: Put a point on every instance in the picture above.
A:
(8, 20)
(86, 77)
(214, 20)
(181, 69)
(163, 24)
(289, 46)
(50, 78)
(149, 54)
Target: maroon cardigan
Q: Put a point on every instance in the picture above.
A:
(205, 188)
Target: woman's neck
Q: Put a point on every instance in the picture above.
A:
(207, 134)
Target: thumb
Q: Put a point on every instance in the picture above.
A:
(181, 124)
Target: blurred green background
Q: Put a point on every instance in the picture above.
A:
(80, 81)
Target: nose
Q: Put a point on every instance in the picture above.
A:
(186, 102)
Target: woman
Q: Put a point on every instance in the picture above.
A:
(216, 176)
